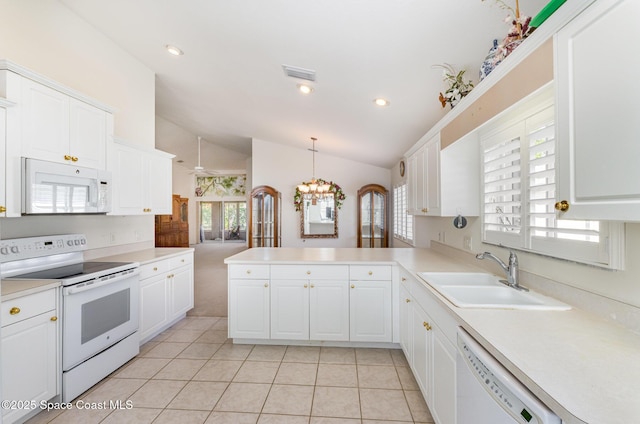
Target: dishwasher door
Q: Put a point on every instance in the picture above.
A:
(488, 394)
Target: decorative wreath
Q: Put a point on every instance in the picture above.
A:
(338, 194)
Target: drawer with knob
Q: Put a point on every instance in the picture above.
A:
(370, 272)
(182, 260)
(154, 268)
(26, 307)
(310, 272)
(248, 271)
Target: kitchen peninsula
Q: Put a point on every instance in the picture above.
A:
(583, 367)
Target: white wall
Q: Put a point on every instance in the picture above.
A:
(46, 37)
(283, 168)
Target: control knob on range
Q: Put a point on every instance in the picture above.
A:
(69, 242)
(4, 250)
(15, 249)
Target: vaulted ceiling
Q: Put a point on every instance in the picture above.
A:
(229, 85)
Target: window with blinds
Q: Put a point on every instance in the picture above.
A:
(519, 182)
(402, 221)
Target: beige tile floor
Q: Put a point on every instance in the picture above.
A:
(192, 374)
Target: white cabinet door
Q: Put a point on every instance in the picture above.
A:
(154, 300)
(181, 289)
(329, 310)
(249, 309)
(290, 309)
(405, 317)
(45, 122)
(417, 188)
(598, 145)
(159, 184)
(421, 352)
(29, 362)
(88, 134)
(424, 179)
(443, 384)
(432, 183)
(370, 311)
(142, 181)
(127, 166)
(59, 128)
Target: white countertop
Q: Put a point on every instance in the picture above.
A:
(13, 289)
(586, 369)
(146, 255)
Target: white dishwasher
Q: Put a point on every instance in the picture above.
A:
(487, 393)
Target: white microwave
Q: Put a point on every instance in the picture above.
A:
(56, 188)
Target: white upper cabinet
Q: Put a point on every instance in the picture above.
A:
(142, 180)
(444, 182)
(423, 168)
(597, 106)
(59, 128)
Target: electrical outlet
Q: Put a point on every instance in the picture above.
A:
(441, 236)
(112, 237)
(467, 241)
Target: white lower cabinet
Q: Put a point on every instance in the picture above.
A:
(428, 340)
(166, 293)
(249, 295)
(30, 353)
(443, 395)
(370, 305)
(406, 339)
(310, 302)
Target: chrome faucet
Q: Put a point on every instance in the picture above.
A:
(511, 270)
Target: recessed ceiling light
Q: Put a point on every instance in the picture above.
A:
(174, 50)
(304, 88)
(382, 102)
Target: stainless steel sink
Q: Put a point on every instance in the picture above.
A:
(481, 290)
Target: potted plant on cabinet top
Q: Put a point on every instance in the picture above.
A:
(458, 87)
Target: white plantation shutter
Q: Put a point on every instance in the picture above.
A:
(402, 221)
(519, 180)
(503, 185)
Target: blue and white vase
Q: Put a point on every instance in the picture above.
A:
(489, 63)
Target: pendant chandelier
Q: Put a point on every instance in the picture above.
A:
(315, 189)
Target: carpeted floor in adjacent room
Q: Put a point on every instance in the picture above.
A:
(210, 278)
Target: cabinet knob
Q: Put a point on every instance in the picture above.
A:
(312, 286)
(407, 300)
(305, 286)
(562, 206)
(425, 210)
(3, 209)
(370, 272)
(74, 159)
(426, 326)
(14, 311)
(248, 271)
(353, 286)
(308, 272)
(266, 284)
(404, 279)
(54, 318)
(155, 268)
(67, 157)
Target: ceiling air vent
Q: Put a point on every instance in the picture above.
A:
(300, 73)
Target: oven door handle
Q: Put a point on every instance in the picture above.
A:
(90, 285)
